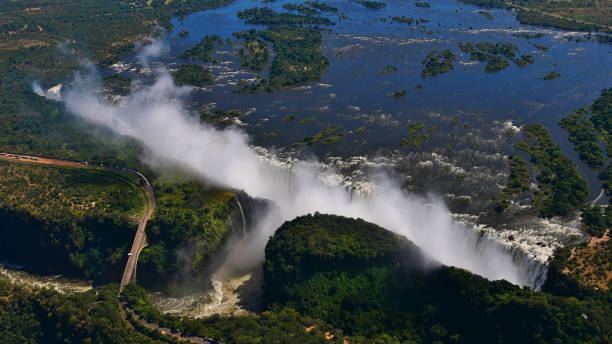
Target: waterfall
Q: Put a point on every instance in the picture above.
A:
(229, 217)
(224, 157)
(533, 270)
(242, 214)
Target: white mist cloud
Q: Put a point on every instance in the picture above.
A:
(155, 116)
(54, 93)
(154, 47)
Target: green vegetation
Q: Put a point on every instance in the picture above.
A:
(540, 46)
(298, 59)
(289, 118)
(404, 20)
(569, 15)
(396, 94)
(46, 316)
(189, 224)
(387, 70)
(551, 76)
(583, 135)
(487, 15)
(266, 16)
(192, 74)
(370, 282)
(562, 187)
(360, 130)
(601, 117)
(258, 52)
(310, 140)
(301, 8)
(220, 116)
(437, 63)
(542, 19)
(308, 120)
(583, 127)
(348, 273)
(524, 60)
(75, 221)
(416, 135)
(81, 222)
(184, 33)
(601, 111)
(279, 326)
(332, 139)
(528, 35)
(518, 182)
(321, 6)
(497, 55)
(373, 5)
(422, 4)
(57, 36)
(595, 221)
(203, 50)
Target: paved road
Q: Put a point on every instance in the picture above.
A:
(168, 332)
(140, 239)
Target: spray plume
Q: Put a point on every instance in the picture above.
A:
(155, 116)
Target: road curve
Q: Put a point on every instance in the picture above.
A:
(601, 194)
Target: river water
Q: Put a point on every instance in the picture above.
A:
(351, 94)
(17, 275)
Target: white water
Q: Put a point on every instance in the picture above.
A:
(155, 116)
(31, 281)
(229, 217)
(244, 232)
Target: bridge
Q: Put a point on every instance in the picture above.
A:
(140, 239)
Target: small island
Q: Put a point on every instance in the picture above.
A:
(437, 63)
(192, 74)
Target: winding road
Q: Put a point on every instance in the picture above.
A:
(601, 194)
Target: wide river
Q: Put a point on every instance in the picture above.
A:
(351, 94)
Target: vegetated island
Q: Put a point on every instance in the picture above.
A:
(437, 63)
(551, 76)
(192, 74)
(422, 4)
(586, 127)
(203, 50)
(496, 55)
(295, 38)
(562, 188)
(373, 5)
